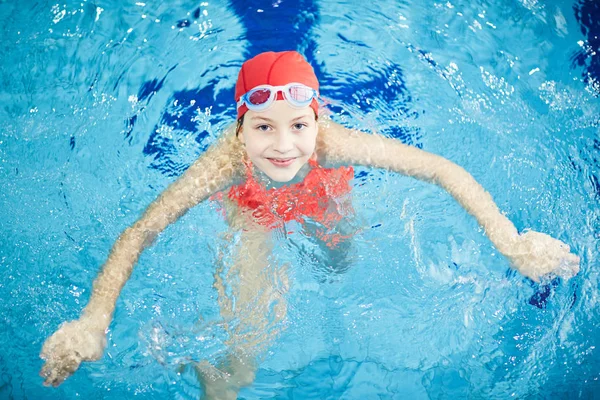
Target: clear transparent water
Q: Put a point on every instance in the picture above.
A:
(104, 104)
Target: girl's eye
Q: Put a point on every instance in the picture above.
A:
(263, 128)
(299, 126)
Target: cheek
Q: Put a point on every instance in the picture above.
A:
(309, 142)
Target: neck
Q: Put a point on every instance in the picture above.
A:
(269, 183)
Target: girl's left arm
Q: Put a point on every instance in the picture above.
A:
(532, 253)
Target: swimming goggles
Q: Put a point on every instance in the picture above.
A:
(261, 97)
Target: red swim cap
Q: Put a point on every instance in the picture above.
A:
(276, 69)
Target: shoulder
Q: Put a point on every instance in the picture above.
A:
(226, 153)
(230, 145)
(338, 145)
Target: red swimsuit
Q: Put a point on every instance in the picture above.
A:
(312, 198)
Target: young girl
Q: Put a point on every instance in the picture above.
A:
(276, 166)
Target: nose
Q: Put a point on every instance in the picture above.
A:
(284, 141)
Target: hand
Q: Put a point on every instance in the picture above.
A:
(72, 343)
(536, 254)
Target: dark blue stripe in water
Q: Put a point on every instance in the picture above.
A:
(587, 13)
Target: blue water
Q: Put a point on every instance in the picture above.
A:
(103, 104)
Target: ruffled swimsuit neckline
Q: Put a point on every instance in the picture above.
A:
(311, 197)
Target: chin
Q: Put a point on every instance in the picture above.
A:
(282, 175)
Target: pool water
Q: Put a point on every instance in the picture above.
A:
(104, 103)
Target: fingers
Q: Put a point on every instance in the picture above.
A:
(55, 371)
(66, 348)
(573, 259)
(573, 262)
(568, 266)
(50, 374)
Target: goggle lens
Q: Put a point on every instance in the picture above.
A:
(259, 96)
(301, 94)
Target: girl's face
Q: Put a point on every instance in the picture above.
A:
(280, 140)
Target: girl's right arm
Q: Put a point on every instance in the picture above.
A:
(84, 339)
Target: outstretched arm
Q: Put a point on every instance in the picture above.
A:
(211, 172)
(533, 254)
(84, 339)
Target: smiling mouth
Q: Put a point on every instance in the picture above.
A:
(282, 162)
